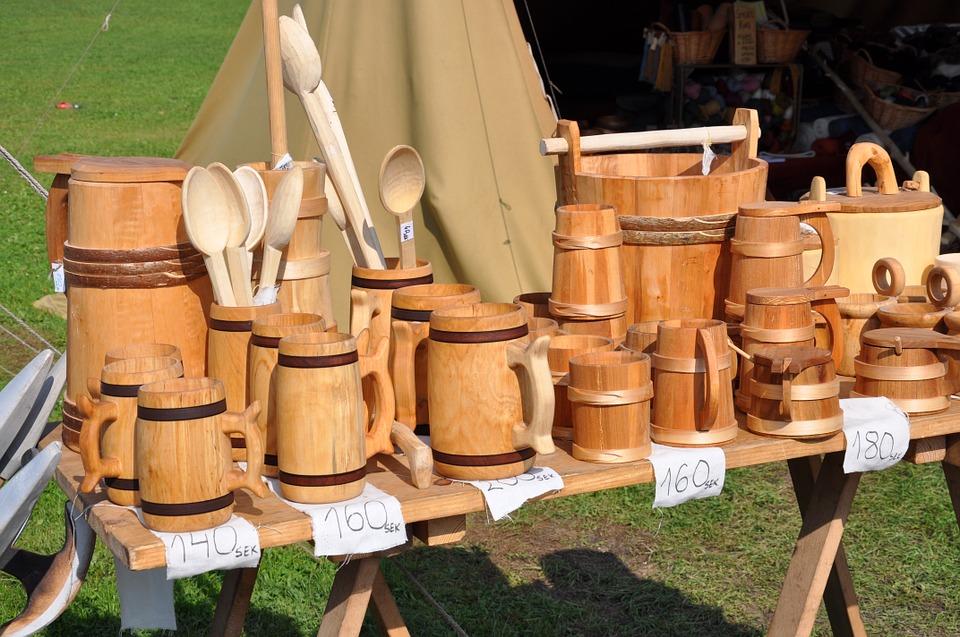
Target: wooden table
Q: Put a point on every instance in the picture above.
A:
(817, 570)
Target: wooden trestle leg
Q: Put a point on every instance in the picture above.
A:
(951, 471)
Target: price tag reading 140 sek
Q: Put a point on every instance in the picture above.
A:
(877, 433)
(686, 474)
(234, 544)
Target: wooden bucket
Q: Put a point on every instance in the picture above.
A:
(858, 315)
(304, 272)
(131, 272)
(322, 438)
(381, 284)
(796, 393)
(484, 378)
(642, 337)
(768, 248)
(410, 326)
(904, 365)
(228, 350)
(669, 271)
(182, 450)
(562, 348)
(693, 384)
(106, 437)
(610, 394)
(952, 354)
(262, 362)
(535, 304)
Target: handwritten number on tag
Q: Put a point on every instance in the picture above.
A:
(356, 518)
(873, 445)
(223, 539)
(699, 478)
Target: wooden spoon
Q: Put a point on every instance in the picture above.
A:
(281, 221)
(401, 186)
(234, 207)
(207, 229)
(255, 192)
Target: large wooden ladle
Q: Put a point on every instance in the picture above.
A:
(401, 185)
(281, 222)
(207, 229)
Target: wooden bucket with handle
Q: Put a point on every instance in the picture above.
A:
(564, 347)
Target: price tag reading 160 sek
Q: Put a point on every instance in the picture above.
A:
(686, 474)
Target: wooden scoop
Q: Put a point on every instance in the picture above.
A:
(234, 206)
(401, 185)
(255, 193)
(207, 229)
(281, 222)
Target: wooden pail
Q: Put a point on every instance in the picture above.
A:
(541, 326)
(642, 337)
(796, 393)
(408, 355)
(381, 284)
(858, 315)
(484, 377)
(322, 438)
(610, 396)
(670, 271)
(106, 437)
(261, 364)
(535, 304)
(562, 348)
(131, 273)
(228, 349)
(182, 448)
(904, 365)
(693, 385)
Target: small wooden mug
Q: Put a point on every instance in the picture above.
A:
(183, 454)
(322, 438)
(564, 347)
(106, 436)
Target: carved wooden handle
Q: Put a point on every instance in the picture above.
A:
(374, 365)
(879, 160)
(529, 363)
(95, 416)
(245, 424)
(711, 399)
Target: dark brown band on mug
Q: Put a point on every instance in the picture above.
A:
(119, 391)
(122, 484)
(401, 314)
(336, 479)
(182, 413)
(238, 443)
(270, 459)
(492, 336)
(187, 508)
(389, 284)
(317, 362)
(273, 342)
(484, 461)
(231, 326)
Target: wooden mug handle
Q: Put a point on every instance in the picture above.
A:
(529, 362)
(407, 337)
(711, 399)
(786, 379)
(93, 387)
(95, 416)
(364, 306)
(888, 267)
(245, 424)
(879, 160)
(821, 223)
(374, 365)
(830, 311)
(419, 457)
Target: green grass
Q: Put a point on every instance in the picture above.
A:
(595, 564)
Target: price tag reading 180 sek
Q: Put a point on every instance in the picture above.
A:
(877, 433)
(686, 474)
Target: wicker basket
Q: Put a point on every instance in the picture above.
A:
(779, 45)
(892, 116)
(864, 74)
(692, 47)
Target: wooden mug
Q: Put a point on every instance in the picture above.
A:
(106, 435)
(535, 304)
(141, 350)
(564, 347)
(490, 395)
(261, 364)
(381, 284)
(322, 438)
(183, 454)
(410, 316)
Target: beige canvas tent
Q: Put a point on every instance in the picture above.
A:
(456, 81)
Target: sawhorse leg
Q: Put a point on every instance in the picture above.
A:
(839, 596)
(234, 601)
(355, 584)
(951, 471)
(816, 550)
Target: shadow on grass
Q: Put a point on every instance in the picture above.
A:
(573, 592)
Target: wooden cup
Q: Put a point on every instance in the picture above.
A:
(261, 379)
(562, 348)
(541, 326)
(858, 315)
(183, 454)
(228, 346)
(375, 314)
(141, 350)
(408, 357)
(535, 304)
(610, 395)
(491, 399)
(322, 438)
(106, 435)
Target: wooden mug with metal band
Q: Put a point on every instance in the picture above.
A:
(491, 399)
(322, 438)
(183, 454)
(261, 365)
(693, 384)
(106, 435)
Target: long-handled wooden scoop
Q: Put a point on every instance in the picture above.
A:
(401, 185)
(207, 229)
(234, 206)
(281, 221)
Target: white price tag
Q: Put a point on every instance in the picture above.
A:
(406, 231)
(59, 280)
(877, 433)
(234, 544)
(508, 494)
(284, 163)
(370, 522)
(707, 160)
(134, 587)
(686, 474)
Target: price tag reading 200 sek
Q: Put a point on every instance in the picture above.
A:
(686, 474)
